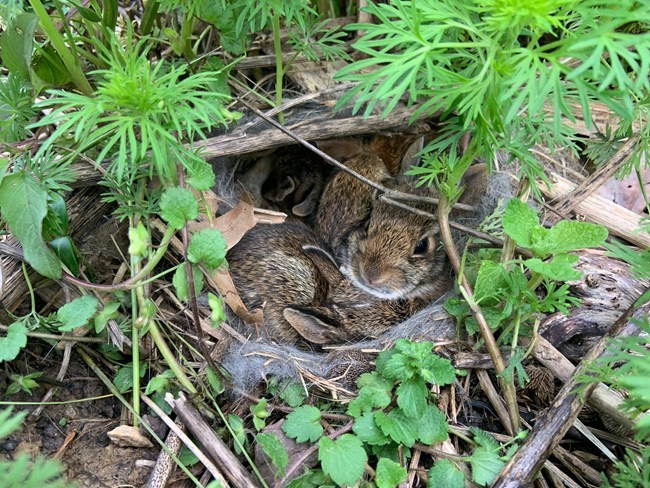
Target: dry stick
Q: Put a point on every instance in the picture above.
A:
(217, 449)
(522, 468)
(597, 179)
(507, 387)
(176, 438)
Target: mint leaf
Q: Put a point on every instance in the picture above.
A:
(489, 281)
(559, 268)
(303, 424)
(23, 203)
(445, 473)
(412, 397)
(13, 342)
(273, 448)
(433, 425)
(207, 246)
(389, 473)
(77, 313)
(180, 282)
(407, 359)
(485, 460)
(375, 392)
(343, 460)
(399, 427)
(570, 235)
(368, 431)
(177, 206)
(521, 223)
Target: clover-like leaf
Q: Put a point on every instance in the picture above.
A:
(303, 424)
(343, 459)
(208, 247)
(177, 206)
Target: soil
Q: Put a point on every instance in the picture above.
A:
(90, 459)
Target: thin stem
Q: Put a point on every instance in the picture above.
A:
(30, 288)
(149, 16)
(168, 355)
(279, 71)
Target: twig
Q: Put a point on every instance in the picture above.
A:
(490, 343)
(522, 468)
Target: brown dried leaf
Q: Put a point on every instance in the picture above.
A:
(222, 281)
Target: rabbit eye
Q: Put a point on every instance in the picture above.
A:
(422, 247)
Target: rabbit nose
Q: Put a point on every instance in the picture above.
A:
(372, 275)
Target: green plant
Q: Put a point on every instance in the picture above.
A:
(22, 472)
(511, 71)
(25, 383)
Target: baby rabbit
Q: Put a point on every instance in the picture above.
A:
(386, 251)
(288, 271)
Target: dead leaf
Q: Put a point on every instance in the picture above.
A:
(222, 281)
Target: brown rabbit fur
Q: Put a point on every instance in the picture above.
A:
(287, 270)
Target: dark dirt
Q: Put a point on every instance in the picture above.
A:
(90, 459)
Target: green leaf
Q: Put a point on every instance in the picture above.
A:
(218, 314)
(65, 250)
(17, 44)
(138, 240)
(367, 430)
(260, 413)
(303, 424)
(215, 381)
(177, 206)
(343, 459)
(374, 392)
(109, 312)
(559, 268)
(77, 313)
(200, 176)
(408, 359)
(13, 342)
(445, 473)
(159, 382)
(239, 433)
(489, 281)
(9, 423)
(293, 394)
(179, 281)
(23, 203)
(389, 473)
(123, 379)
(485, 460)
(521, 223)
(433, 426)
(311, 479)
(273, 448)
(570, 235)
(208, 247)
(399, 427)
(49, 70)
(412, 397)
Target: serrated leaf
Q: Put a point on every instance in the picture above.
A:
(303, 424)
(389, 473)
(123, 379)
(17, 44)
(433, 426)
(489, 281)
(23, 203)
(159, 382)
(177, 206)
(293, 394)
(13, 342)
(208, 247)
(412, 396)
(179, 280)
(311, 479)
(445, 473)
(77, 313)
(570, 235)
(485, 460)
(521, 223)
(559, 268)
(374, 392)
(399, 427)
(273, 448)
(200, 176)
(343, 459)
(368, 431)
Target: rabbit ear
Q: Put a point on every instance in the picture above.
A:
(341, 149)
(475, 181)
(397, 151)
(324, 261)
(308, 205)
(312, 324)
